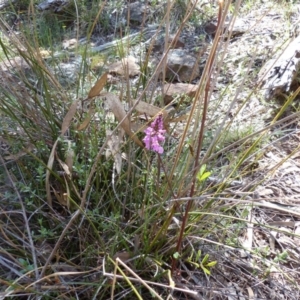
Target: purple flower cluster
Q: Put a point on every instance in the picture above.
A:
(155, 135)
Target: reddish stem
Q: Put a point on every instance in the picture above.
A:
(199, 147)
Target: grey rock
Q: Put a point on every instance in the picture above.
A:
(137, 12)
(279, 74)
(181, 66)
(13, 72)
(67, 72)
(5, 3)
(16, 71)
(158, 44)
(54, 5)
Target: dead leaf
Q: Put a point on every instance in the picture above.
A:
(141, 213)
(68, 117)
(48, 173)
(99, 85)
(250, 293)
(64, 166)
(64, 127)
(61, 197)
(118, 110)
(113, 143)
(263, 191)
(87, 120)
(70, 159)
(123, 256)
(149, 109)
(171, 90)
(179, 119)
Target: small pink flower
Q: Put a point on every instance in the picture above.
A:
(155, 135)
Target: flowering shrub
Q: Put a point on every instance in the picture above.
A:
(155, 135)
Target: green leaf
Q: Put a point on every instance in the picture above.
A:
(191, 256)
(205, 259)
(202, 170)
(176, 255)
(194, 264)
(211, 264)
(206, 271)
(23, 262)
(198, 255)
(204, 176)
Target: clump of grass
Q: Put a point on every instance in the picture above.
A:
(104, 216)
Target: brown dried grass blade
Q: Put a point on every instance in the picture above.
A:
(87, 120)
(68, 117)
(64, 127)
(70, 159)
(48, 173)
(114, 149)
(99, 85)
(61, 198)
(149, 109)
(65, 167)
(118, 110)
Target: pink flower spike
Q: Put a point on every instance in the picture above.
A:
(154, 137)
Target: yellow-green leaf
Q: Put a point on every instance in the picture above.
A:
(198, 255)
(206, 271)
(211, 264)
(204, 176)
(205, 259)
(202, 169)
